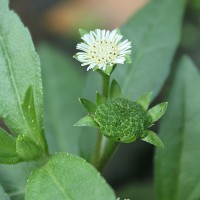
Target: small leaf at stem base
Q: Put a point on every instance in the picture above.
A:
(88, 105)
(153, 138)
(87, 121)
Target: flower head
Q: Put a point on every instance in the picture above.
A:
(101, 48)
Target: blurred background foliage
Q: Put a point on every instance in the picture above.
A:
(155, 32)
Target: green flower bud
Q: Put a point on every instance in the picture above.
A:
(121, 120)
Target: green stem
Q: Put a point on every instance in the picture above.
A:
(109, 149)
(105, 85)
(97, 152)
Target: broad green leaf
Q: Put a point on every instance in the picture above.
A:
(152, 138)
(154, 45)
(67, 177)
(13, 178)
(88, 105)
(177, 166)
(87, 121)
(145, 100)
(8, 153)
(157, 111)
(115, 90)
(62, 87)
(19, 69)
(3, 195)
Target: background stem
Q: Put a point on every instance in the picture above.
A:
(97, 151)
(109, 149)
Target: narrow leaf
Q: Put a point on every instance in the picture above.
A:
(145, 100)
(28, 107)
(87, 121)
(115, 90)
(88, 105)
(152, 138)
(8, 153)
(67, 177)
(100, 99)
(177, 167)
(157, 111)
(19, 68)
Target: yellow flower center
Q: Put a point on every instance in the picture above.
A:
(102, 52)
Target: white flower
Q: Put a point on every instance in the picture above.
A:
(101, 48)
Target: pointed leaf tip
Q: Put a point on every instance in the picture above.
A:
(115, 90)
(153, 138)
(87, 121)
(145, 100)
(157, 111)
(88, 105)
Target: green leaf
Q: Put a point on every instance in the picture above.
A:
(83, 32)
(88, 105)
(3, 195)
(67, 177)
(154, 46)
(144, 100)
(157, 112)
(177, 167)
(115, 90)
(8, 153)
(27, 148)
(19, 68)
(63, 84)
(13, 178)
(100, 99)
(152, 138)
(87, 121)
(28, 108)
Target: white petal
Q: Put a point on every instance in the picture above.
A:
(112, 35)
(87, 39)
(107, 35)
(118, 38)
(103, 34)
